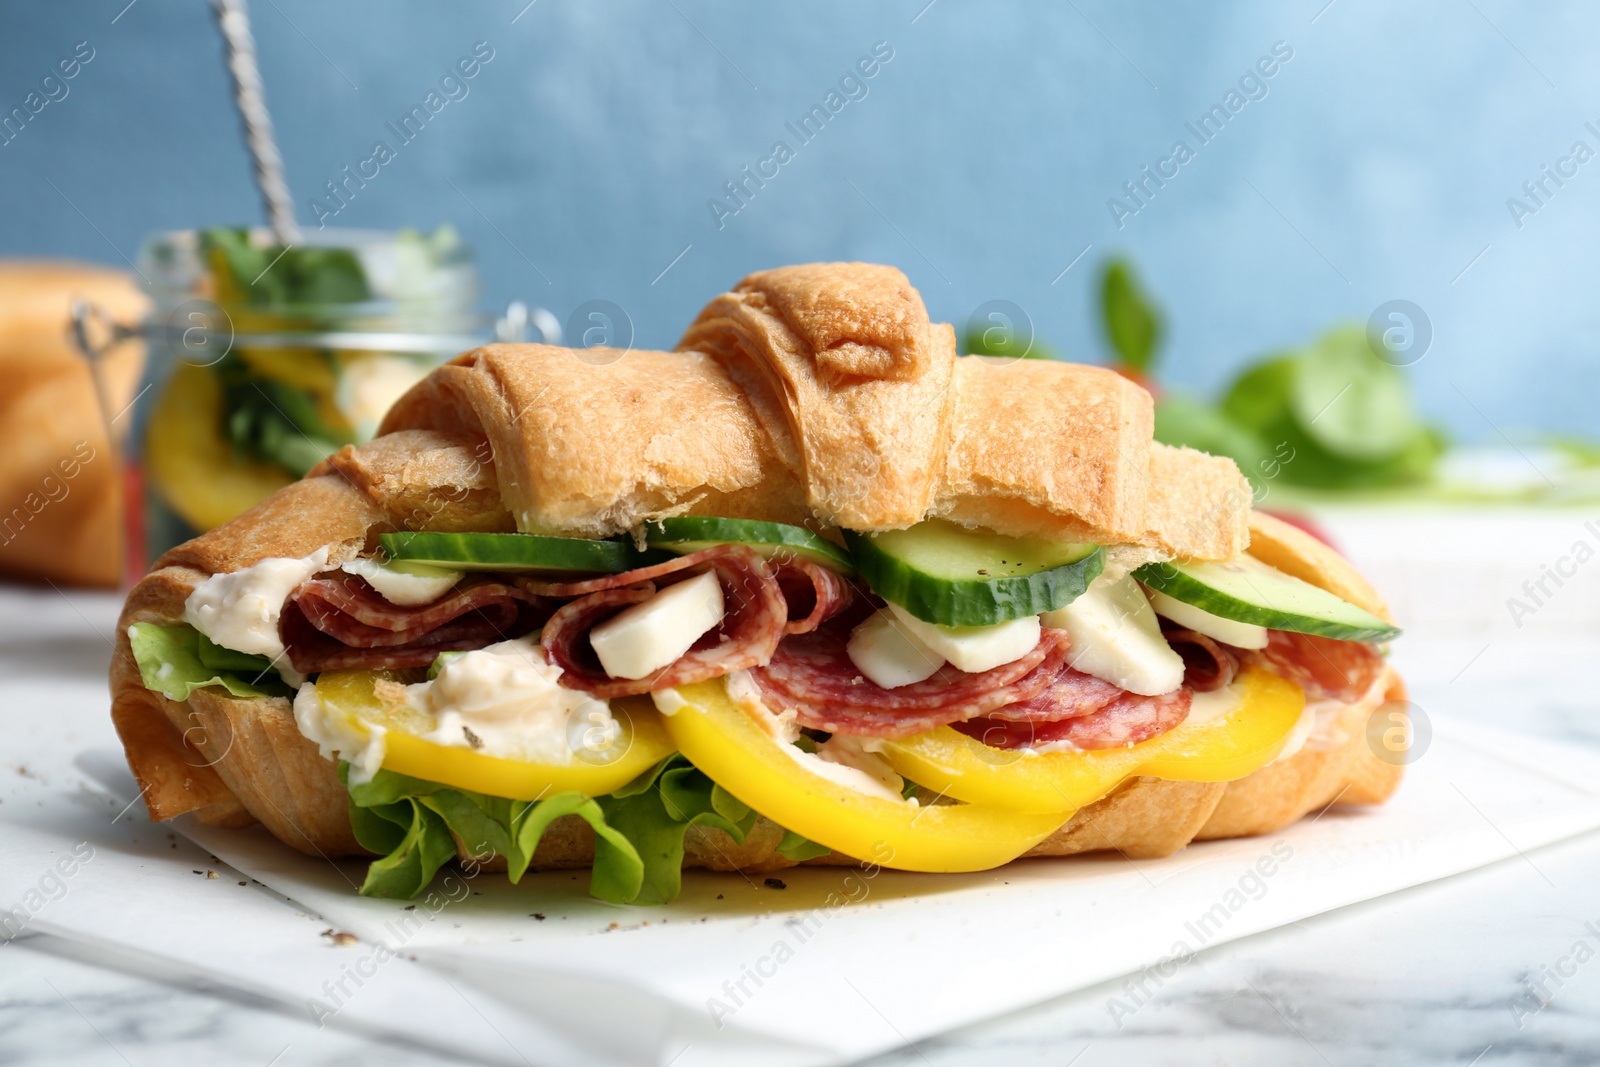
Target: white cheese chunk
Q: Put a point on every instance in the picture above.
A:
(974, 649)
(1238, 634)
(406, 584)
(240, 610)
(1116, 638)
(641, 640)
(890, 654)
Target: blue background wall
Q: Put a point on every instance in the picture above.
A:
(1377, 166)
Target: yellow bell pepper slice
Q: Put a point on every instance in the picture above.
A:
(303, 368)
(725, 742)
(1220, 750)
(189, 461)
(351, 696)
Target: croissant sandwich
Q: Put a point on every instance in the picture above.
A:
(808, 589)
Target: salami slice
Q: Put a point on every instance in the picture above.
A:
(811, 674)
(813, 593)
(1067, 696)
(1207, 665)
(753, 621)
(339, 622)
(1322, 666)
(1125, 721)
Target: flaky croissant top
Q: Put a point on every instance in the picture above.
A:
(822, 393)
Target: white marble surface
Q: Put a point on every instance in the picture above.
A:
(1438, 974)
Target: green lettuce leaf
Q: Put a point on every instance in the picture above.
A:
(417, 842)
(798, 848)
(176, 660)
(413, 824)
(657, 818)
(217, 658)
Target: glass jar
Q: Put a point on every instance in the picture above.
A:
(266, 359)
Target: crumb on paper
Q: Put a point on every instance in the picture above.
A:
(774, 883)
(538, 915)
(341, 938)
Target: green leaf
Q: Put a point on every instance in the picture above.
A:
(275, 422)
(482, 823)
(322, 276)
(620, 870)
(800, 849)
(639, 829)
(648, 779)
(1342, 414)
(271, 276)
(1192, 424)
(1260, 397)
(170, 663)
(387, 787)
(424, 847)
(656, 810)
(731, 808)
(1351, 402)
(998, 341)
(1133, 325)
(379, 829)
(658, 819)
(412, 840)
(217, 658)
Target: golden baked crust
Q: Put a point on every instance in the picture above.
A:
(60, 480)
(538, 438)
(848, 379)
(1052, 450)
(1293, 551)
(823, 393)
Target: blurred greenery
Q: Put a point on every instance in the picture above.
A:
(1001, 339)
(1133, 324)
(273, 421)
(298, 276)
(1331, 415)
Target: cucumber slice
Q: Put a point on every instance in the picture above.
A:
(953, 576)
(691, 533)
(1247, 590)
(514, 552)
